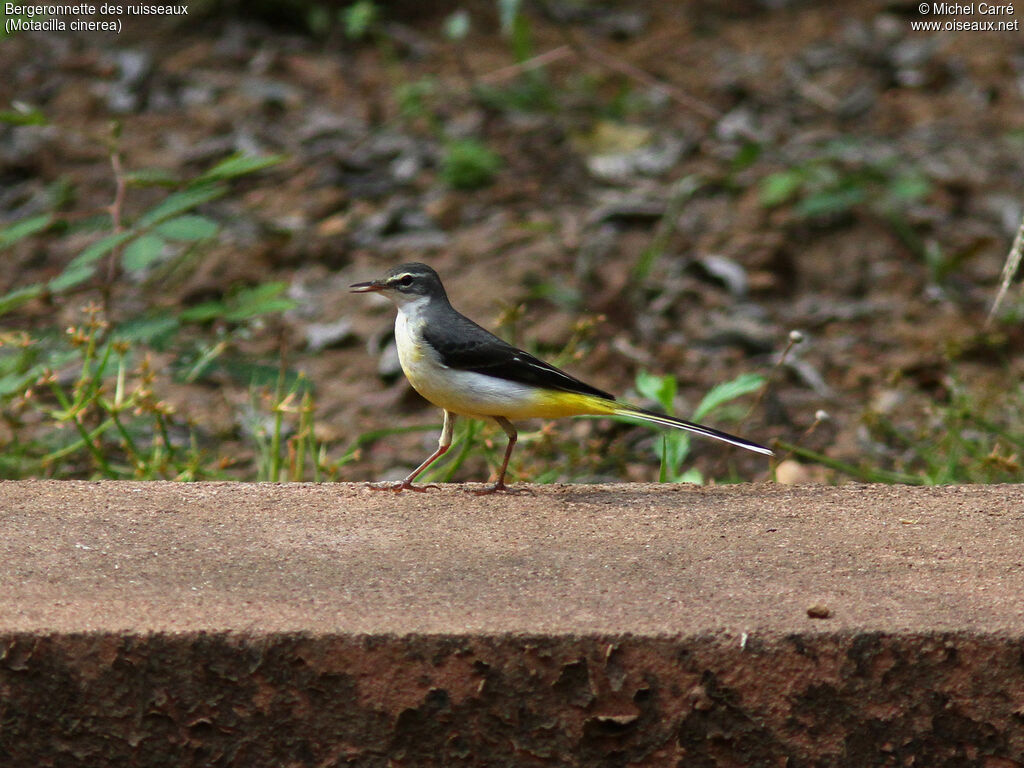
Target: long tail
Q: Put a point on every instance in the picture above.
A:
(700, 429)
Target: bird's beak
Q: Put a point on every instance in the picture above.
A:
(371, 287)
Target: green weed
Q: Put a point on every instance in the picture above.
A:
(468, 164)
(169, 229)
(960, 441)
(835, 185)
(674, 447)
(97, 415)
(83, 401)
(832, 184)
(359, 19)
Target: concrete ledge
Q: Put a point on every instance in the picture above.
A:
(251, 625)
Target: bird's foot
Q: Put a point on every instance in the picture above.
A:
(489, 489)
(403, 485)
(495, 488)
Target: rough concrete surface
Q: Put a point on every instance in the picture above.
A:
(250, 625)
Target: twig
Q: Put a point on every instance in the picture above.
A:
(116, 209)
(795, 337)
(587, 51)
(1009, 270)
(555, 54)
(642, 76)
(820, 417)
(633, 72)
(866, 474)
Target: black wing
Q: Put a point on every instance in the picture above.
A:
(466, 346)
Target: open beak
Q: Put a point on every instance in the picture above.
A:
(371, 287)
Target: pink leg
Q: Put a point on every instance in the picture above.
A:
(499, 484)
(443, 444)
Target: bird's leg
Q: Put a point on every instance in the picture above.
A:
(443, 444)
(499, 484)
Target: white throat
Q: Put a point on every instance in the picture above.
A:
(412, 307)
(409, 332)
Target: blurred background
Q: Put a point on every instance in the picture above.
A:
(788, 219)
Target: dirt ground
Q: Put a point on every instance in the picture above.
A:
(890, 291)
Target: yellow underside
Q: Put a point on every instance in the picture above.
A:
(555, 405)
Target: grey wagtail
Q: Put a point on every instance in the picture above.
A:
(467, 370)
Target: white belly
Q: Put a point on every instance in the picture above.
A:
(461, 392)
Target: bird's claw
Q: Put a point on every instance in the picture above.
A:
(404, 485)
(495, 488)
(488, 490)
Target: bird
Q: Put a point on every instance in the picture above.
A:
(466, 370)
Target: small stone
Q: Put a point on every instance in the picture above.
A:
(333, 226)
(617, 719)
(730, 273)
(818, 611)
(699, 699)
(405, 168)
(323, 335)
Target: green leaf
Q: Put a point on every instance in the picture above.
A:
(24, 116)
(243, 371)
(201, 313)
(260, 374)
(781, 187)
(469, 164)
(661, 389)
(142, 251)
(70, 277)
(20, 296)
(720, 394)
(149, 329)
(180, 202)
(414, 97)
(17, 382)
(239, 165)
(97, 251)
(359, 18)
(746, 156)
(831, 202)
(244, 305)
(188, 227)
(82, 267)
(19, 230)
(101, 248)
(675, 447)
(522, 41)
(259, 300)
(910, 187)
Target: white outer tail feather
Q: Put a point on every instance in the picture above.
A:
(671, 421)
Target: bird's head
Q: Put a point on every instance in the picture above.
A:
(405, 284)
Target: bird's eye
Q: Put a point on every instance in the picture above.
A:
(404, 281)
